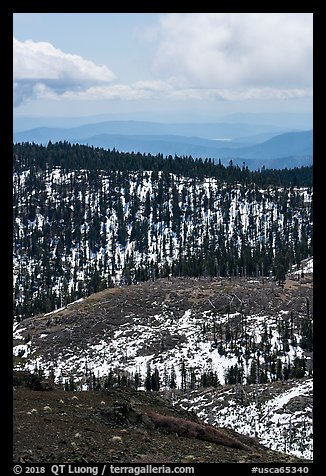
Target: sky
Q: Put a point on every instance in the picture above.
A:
(181, 65)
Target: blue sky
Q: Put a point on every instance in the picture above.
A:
(203, 64)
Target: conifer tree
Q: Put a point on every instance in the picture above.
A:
(173, 379)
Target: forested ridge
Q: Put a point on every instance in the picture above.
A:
(77, 157)
(87, 218)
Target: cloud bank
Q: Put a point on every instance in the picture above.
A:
(236, 50)
(41, 70)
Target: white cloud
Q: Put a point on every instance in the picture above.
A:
(116, 91)
(146, 89)
(252, 51)
(153, 85)
(41, 70)
(239, 94)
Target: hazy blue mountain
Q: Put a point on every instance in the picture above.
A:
(239, 142)
(283, 121)
(291, 143)
(165, 144)
(204, 130)
(285, 150)
(25, 123)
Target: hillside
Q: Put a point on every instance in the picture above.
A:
(189, 334)
(122, 426)
(279, 414)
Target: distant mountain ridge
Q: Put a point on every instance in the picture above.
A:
(257, 145)
(285, 121)
(209, 130)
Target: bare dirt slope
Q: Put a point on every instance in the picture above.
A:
(122, 425)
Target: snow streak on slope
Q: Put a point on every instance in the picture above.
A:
(306, 266)
(280, 419)
(136, 344)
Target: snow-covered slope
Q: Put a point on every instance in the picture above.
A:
(279, 415)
